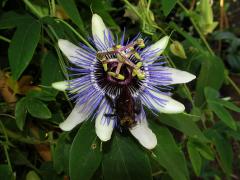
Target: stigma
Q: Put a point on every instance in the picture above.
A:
(123, 63)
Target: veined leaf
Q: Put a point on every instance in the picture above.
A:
(183, 123)
(224, 150)
(125, 160)
(217, 106)
(22, 47)
(213, 67)
(168, 155)
(11, 19)
(85, 154)
(195, 158)
(167, 6)
(38, 109)
(21, 112)
(71, 9)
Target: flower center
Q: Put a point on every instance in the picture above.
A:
(120, 66)
(122, 63)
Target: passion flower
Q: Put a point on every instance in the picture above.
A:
(114, 82)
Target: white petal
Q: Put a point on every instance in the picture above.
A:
(61, 85)
(159, 46)
(75, 117)
(144, 135)
(179, 76)
(98, 29)
(68, 49)
(171, 106)
(103, 129)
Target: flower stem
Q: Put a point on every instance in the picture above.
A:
(75, 32)
(33, 9)
(196, 27)
(233, 84)
(5, 39)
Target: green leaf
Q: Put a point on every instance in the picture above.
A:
(168, 154)
(217, 106)
(213, 67)
(61, 154)
(183, 123)
(195, 158)
(223, 114)
(125, 160)
(85, 154)
(228, 105)
(189, 38)
(50, 74)
(22, 47)
(5, 173)
(204, 150)
(224, 150)
(104, 8)
(11, 19)
(32, 175)
(21, 112)
(38, 109)
(210, 93)
(167, 6)
(71, 9)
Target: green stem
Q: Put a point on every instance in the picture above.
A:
(196, 27)
(132, 7)
(33, 9)
(5, 147)
(75, 32)
(233, 84)
(5, 39)
(21, 138)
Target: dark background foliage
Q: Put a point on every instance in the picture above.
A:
(202, 143)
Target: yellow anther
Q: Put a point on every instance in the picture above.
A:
(120, 58)
(118, 76)
(105, 66)
(137, 55)
(140, 75)
(139, 64)
(131, 48)
(118, 46)
(134, 73)
(140, 43)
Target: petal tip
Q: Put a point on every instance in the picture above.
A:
(65, 127)
(61, 85)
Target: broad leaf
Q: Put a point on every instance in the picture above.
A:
(21, 112)
(71, 9)
(85, 154)
(224, 150)
(195, 158)
(11, 19)
(38, 109)
(61, 154)
(211, 74)
(168, 154)
(223, 114)
(217, 106)
(183, 123)
(22, 47)
(167, 6)
(5, 173)
(125, 160)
